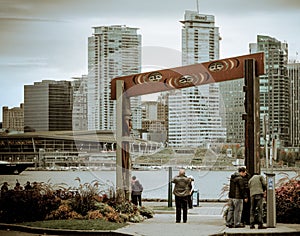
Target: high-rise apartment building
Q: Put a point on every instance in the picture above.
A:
(113, 51)
(79, 117)
(48, 106)
(294, 76)
(13, 119)
(274, 89)
(194, 118)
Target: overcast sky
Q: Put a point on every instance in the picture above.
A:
(47, 39)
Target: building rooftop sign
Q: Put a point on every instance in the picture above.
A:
(187, 76)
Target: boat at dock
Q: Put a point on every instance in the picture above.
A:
(14, 168)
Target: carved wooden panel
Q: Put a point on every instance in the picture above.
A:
(187, 76)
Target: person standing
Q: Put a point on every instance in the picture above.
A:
(246, 205)
(28, 186)
(237, 195)
(136, 191)
(4, 187)
(18, 187)
(192, 187)
(182, 192)
(257, 186)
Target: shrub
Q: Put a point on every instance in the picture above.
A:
(92, 215)
(147, 212)
(88, 201)
(287, 195)
(15, 205)
(86, 195)
(64, 212)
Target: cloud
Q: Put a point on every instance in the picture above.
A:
(48, 38)
(27, 19)
(28, 62)
(74, 9)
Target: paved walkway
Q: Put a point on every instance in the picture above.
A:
(203, 220)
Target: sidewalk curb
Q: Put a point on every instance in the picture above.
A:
(257, 234)
(36, 230)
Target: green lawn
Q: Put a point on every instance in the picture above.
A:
(76, 224)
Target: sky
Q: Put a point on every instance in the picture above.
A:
(47, 39)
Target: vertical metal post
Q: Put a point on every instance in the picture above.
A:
(271, 200)
(271, 210)
(170, 188)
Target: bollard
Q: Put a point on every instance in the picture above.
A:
(271, 210)
(170, 188)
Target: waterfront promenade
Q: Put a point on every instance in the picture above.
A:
(204, 220)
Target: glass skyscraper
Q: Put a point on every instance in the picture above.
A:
(113, 51)
(194, 113)
(294, 76)
(274, 88)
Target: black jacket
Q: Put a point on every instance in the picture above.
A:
(237, 187)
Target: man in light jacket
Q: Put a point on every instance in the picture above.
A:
(136, 191)
(257, 186)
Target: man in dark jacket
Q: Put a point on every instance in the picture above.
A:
(237, 195)
(246, 205)
(182, 193)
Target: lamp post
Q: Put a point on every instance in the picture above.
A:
(266, 138)
(271, 202)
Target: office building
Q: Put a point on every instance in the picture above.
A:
(232, 98)
(13, 118)
(149, 110)
(194, 118)
(113, 51)
(274, 89)
(48, 106)
(294, 76)
(79, 117)
(153, 128)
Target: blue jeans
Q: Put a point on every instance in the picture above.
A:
(235, 212)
